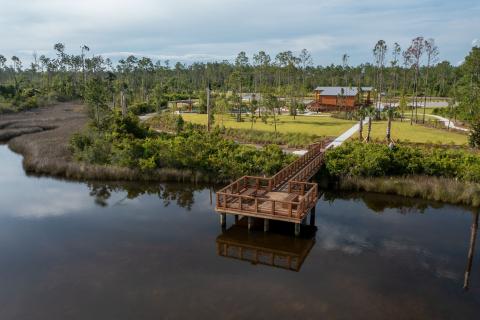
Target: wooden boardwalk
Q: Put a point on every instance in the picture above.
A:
(287, 196)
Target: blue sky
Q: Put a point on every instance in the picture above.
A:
(215, 30)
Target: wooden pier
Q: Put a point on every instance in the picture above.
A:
(287, 196)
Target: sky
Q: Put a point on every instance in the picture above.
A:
(215, 30)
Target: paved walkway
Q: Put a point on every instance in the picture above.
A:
(448, 123)
(346, 135)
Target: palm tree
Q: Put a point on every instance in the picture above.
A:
(370, 112)
(361, 115)
(390, 114)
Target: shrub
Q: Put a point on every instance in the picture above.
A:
(142, 108)
(355, 159)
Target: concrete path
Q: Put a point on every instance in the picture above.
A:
(448, 123)
(147, 116)
(346, 135)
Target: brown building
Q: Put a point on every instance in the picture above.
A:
(340, 98)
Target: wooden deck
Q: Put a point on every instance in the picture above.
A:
(287, 196)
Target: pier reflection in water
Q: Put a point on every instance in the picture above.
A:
(276, 248)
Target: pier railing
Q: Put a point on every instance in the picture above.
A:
(261, 196)
(302, 196)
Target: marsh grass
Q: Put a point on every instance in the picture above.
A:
(430, 188)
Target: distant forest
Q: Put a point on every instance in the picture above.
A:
(395, 71)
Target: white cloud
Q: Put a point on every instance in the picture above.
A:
(213, 29)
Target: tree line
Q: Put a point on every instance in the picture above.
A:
(390, 70)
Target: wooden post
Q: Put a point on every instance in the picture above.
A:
(223, 219)
(256, 205)
(265, 225)
(250, 223)
(312, 217)
(297, 229)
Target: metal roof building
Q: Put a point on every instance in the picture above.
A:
(336, 91)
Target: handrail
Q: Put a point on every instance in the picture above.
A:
(231, 197)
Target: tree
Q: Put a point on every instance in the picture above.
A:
(379, 52)
(402, 105)
(305, 62)
(96, 97)
(431, 51)
(390, 114)
(253, 108)
(272, 103)
(262, 62)
(84, 49)
(361, 115)
(415, 52)
(396, 52)
(241, 63)
(370, 112)
(469, 89)
(345, 68)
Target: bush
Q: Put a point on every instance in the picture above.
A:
(355, 159)
(142, 108)
(124, 142)
(474, 137)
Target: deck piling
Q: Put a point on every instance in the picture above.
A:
(297, 229)
(266, 225)
(223, 219)
(250, 223)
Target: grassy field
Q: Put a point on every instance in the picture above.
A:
(328, 126)
(321, 126)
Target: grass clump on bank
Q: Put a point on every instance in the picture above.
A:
(124, 142)
(425, 187)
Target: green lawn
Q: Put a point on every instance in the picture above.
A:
(417, 133)
(321, 126)
(328, 126)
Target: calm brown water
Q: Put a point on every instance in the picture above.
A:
(90, 251)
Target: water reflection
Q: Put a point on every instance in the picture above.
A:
(148, 251)
(276, 248)
(471, 250)
(181, 194)
(380, 202)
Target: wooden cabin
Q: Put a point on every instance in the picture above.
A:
(340, 98)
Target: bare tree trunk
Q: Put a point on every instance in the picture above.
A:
(208, 108)
(389, 127)
(369, 130)
(360, 129)
(123, 103)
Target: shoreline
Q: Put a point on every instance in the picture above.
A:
(45, 148)
(45, 151)
(439, 189)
